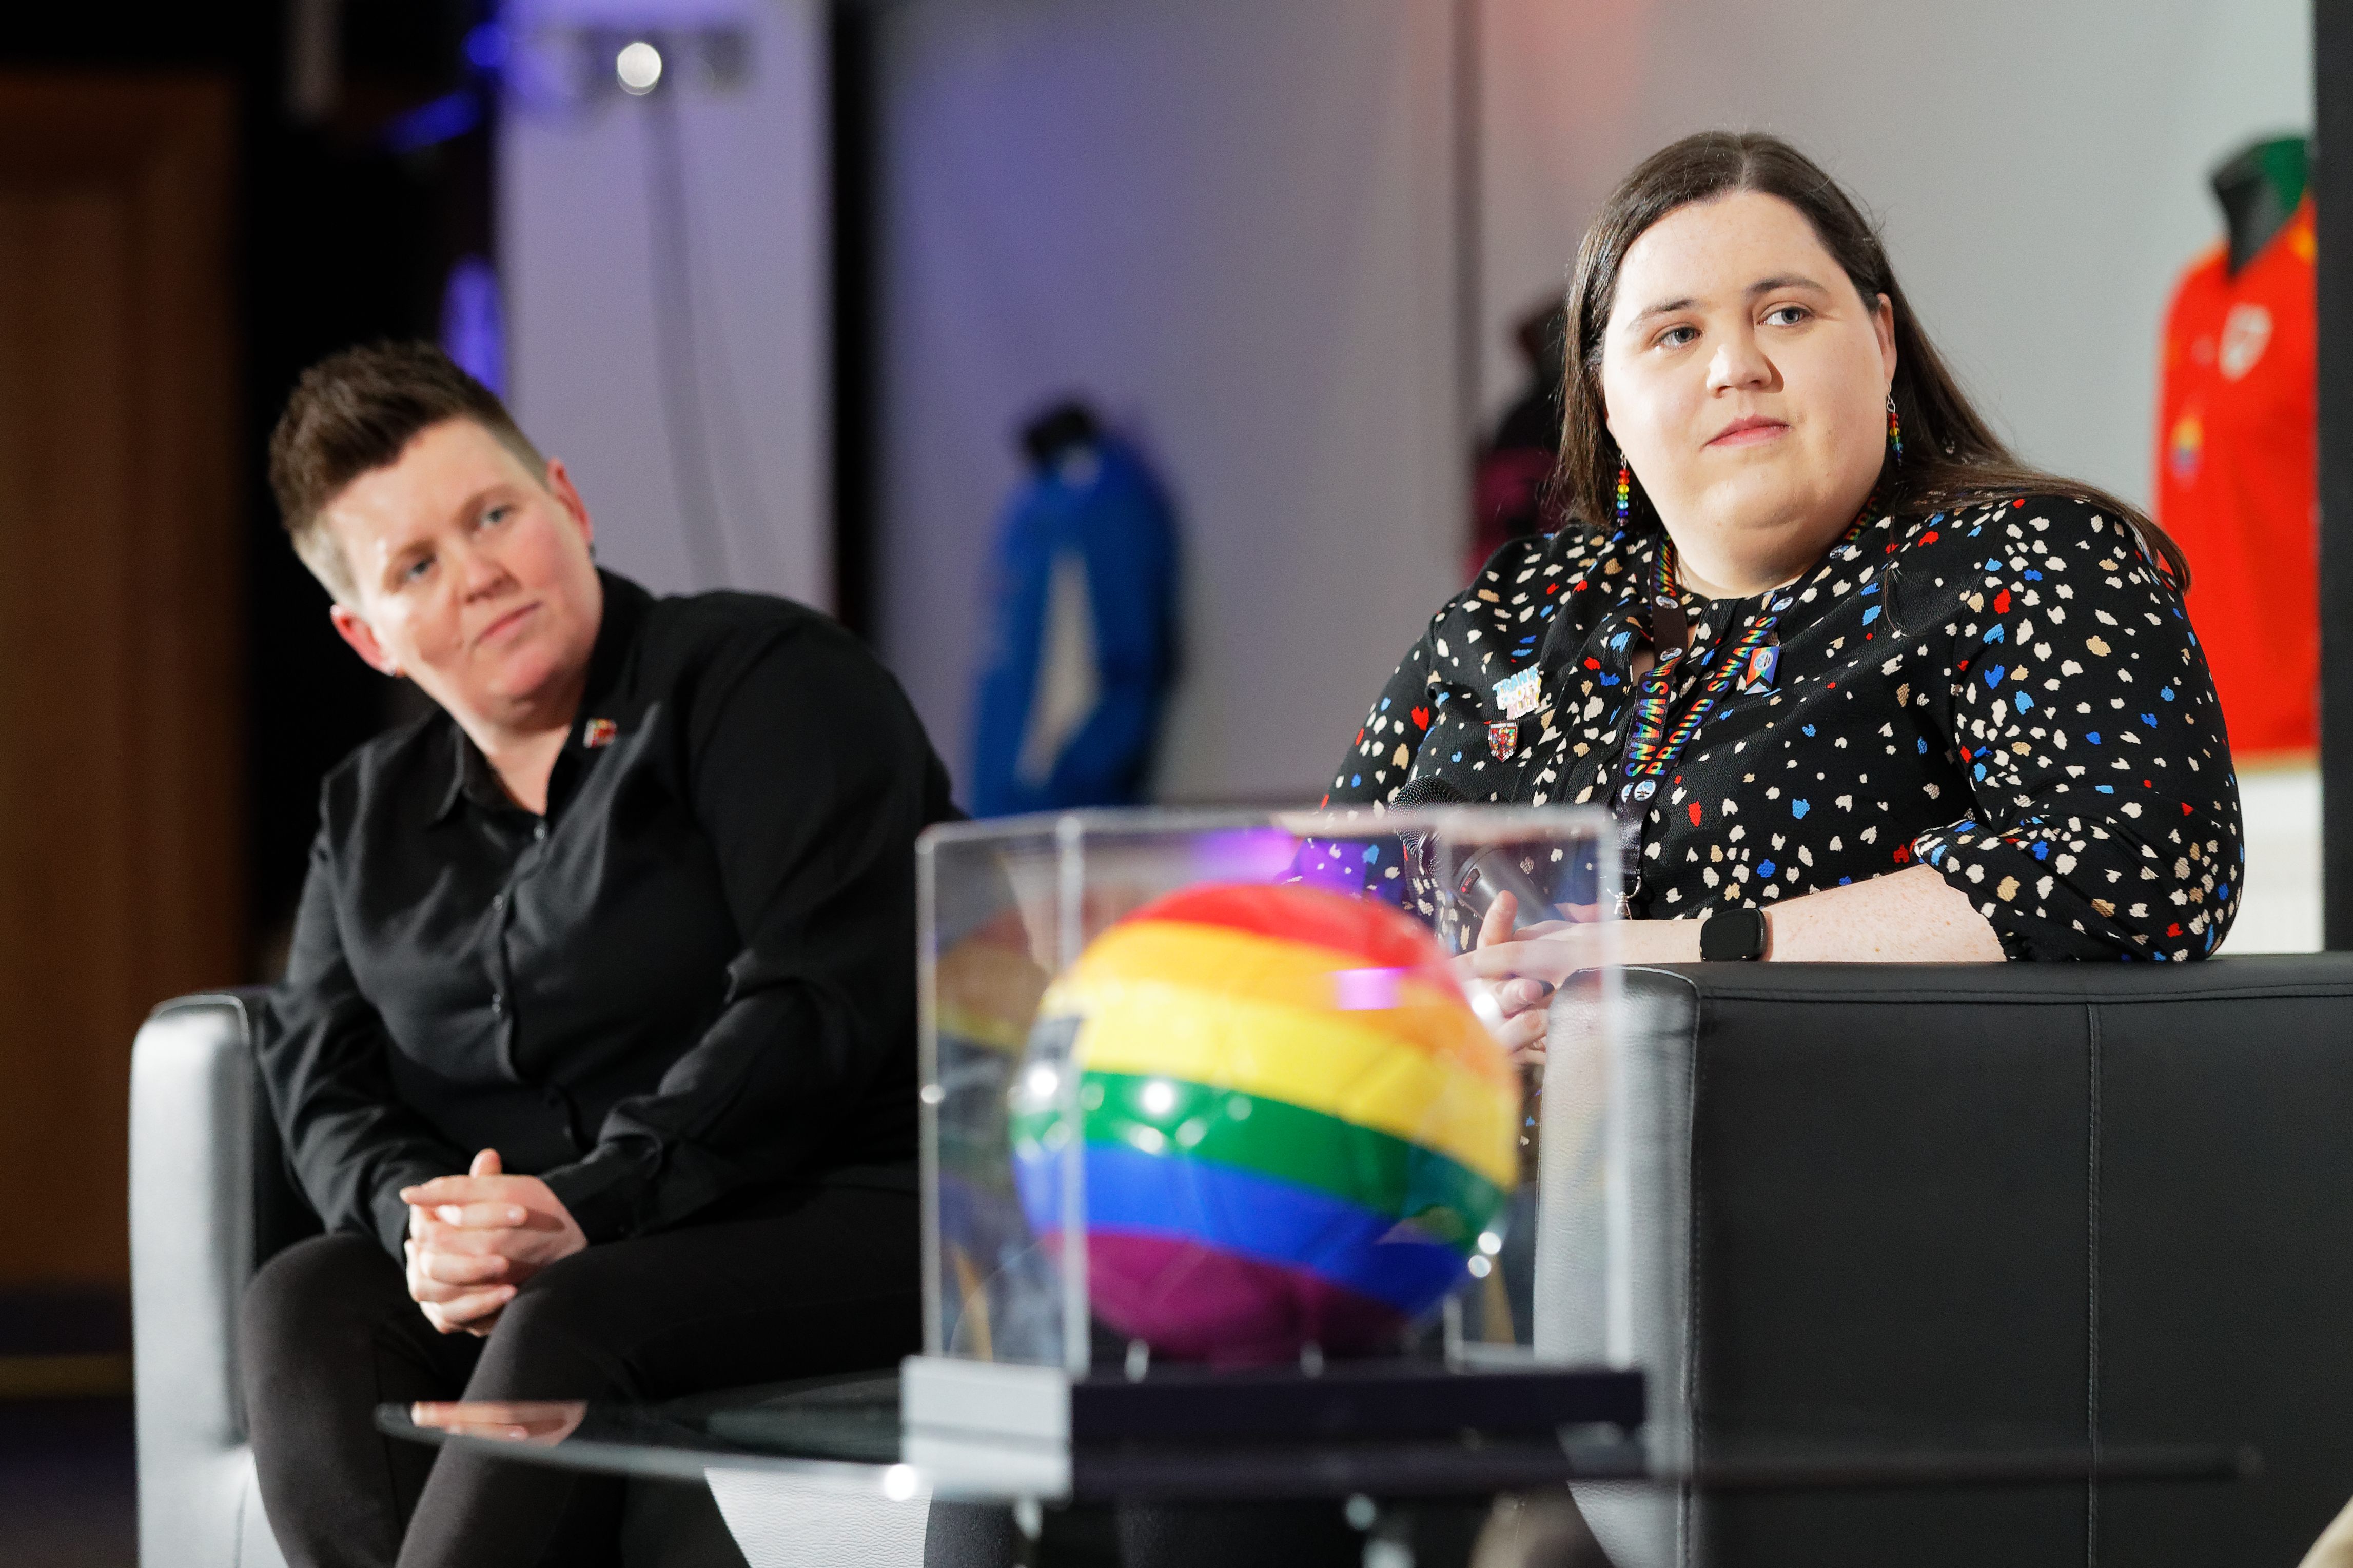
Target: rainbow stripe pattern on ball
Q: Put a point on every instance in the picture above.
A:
(1295, 1128)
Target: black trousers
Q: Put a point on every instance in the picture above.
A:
(785, 1285)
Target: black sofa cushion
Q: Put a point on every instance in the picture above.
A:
(2110, 1201)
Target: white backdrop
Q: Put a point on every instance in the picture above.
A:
(1225, 219)
(575, 255)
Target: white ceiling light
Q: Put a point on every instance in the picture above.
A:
(639, 66)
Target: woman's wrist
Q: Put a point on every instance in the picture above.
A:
(1659, 941)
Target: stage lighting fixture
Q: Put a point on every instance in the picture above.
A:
(639, 68)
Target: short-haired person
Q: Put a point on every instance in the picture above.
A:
(595, 1050)
(1857, 684)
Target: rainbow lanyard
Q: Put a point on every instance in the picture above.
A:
(1651, 744)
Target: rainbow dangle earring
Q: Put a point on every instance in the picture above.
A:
(1895, 436)
(1625, 490)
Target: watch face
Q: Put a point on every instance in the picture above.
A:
(1733, 935)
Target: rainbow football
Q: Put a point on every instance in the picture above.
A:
(1295, 1128)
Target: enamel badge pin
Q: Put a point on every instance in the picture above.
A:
(1503, 740)
(599, 732)
(1517, 695)
(1758, 675)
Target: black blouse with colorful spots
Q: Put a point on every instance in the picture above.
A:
(2010, 693)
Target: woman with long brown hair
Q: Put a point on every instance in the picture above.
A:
(1856, 683)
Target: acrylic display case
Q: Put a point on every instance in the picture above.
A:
(1234, 1192)
(1222, 1127)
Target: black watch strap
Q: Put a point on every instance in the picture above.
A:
(1733, 935)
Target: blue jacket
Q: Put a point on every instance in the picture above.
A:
(1082, 639)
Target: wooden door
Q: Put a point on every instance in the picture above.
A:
(119, 575)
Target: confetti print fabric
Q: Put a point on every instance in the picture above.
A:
(2009, 693)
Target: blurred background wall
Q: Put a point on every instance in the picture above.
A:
(664, 263)
(1238, 225)
(1228, 221)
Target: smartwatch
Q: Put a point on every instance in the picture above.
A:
(1733, 936)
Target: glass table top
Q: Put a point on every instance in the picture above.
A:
(846, 1431)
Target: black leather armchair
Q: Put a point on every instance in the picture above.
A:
(2110, 1201)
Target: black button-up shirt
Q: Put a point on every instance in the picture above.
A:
(693, 976)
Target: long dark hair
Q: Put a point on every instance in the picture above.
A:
(1952, 458)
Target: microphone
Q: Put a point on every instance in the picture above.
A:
(1485, 874)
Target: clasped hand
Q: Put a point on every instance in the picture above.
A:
(1514, 970)
(474, 1239)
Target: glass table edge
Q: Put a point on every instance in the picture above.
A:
(681, 1462)
(1050, 1471)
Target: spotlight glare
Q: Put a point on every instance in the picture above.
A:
(639, 66)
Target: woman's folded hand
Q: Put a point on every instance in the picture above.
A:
(1511, 973)
(474, 1239)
